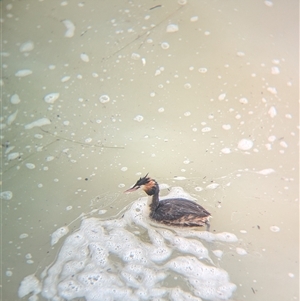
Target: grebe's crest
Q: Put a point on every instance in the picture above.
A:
(146, 183)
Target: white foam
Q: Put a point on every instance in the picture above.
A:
(30, 284)
(23, 73)
(13, 156)
(58, 234)
(6, 195)
(27, 46)
(245, 144)
(128, 259)
(104, 98)
(84, 57)
(11, 118)
(222, 96)
(266, 171)
(172, 28)
(51, 97)
(70, 28)
(272, 112)
(37, 123)
(30, 165)
(15, 99)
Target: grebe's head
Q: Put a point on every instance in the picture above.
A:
(146, 183)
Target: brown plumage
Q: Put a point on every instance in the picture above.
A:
(175, 212)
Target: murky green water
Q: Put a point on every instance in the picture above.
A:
(203, 95)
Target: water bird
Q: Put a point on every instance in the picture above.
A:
(172, 212)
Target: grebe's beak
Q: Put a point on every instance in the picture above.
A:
(133, 188)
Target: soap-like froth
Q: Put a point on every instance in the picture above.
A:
(130, 257)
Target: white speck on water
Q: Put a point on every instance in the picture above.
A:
(212, 186)
(187, 161)
(11, 118)
(222, 96)
(51, 67)
(194, 18)
(245, 144)
(186, 114)
(102, 211)
(206, 33)
(226, 150)
(84, 57)
(51, 97)
(194, 129)
(6, 195)
(288, 116)
(88, 140)
(243, 100)
(202, 70)
(70, 28)
(172, 28)
(160, 110)
(206, 129)
(272, 138)
(40, 185)
(272, 90)
(124, 168)
(165, 45)
(269, 3)
(30, 165)
(240, 53)
(23, 72)
(266, 171)
(15, 99)
(218, 253)
(8, 273)
(13, 156)
(243, 231)
(28, 256)
(275, 70)
(135, 56)
(23, 235)
(187, 86)
(291, 275)
(65, 78)
(272, 112)
(66, 122)
(104, 98)
(68, 208)
(138, 118)
(37, 123)
(38, 136)
(283, 144)
(27, 46)
(49, 158)
(241, 251)
(198, 188)
(274, 229)
(226, 127)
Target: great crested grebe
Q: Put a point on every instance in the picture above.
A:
(174, 212)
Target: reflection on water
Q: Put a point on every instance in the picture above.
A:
(200, 94)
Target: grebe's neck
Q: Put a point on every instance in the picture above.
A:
(153, 197)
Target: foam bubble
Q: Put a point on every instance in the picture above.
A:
(272, 112)
(241, 251)
(138, 118)
(84, 57)
(37, 123)
(222, 96)
(104, 98)
(6, 195)
(15, 99)
(172, 28)
(165, 45)
(274, 229)
(51, 97)
(23, 73)
(245, 144)
(11, 118)
(27, 46)
(70, 28)
(30, 165)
